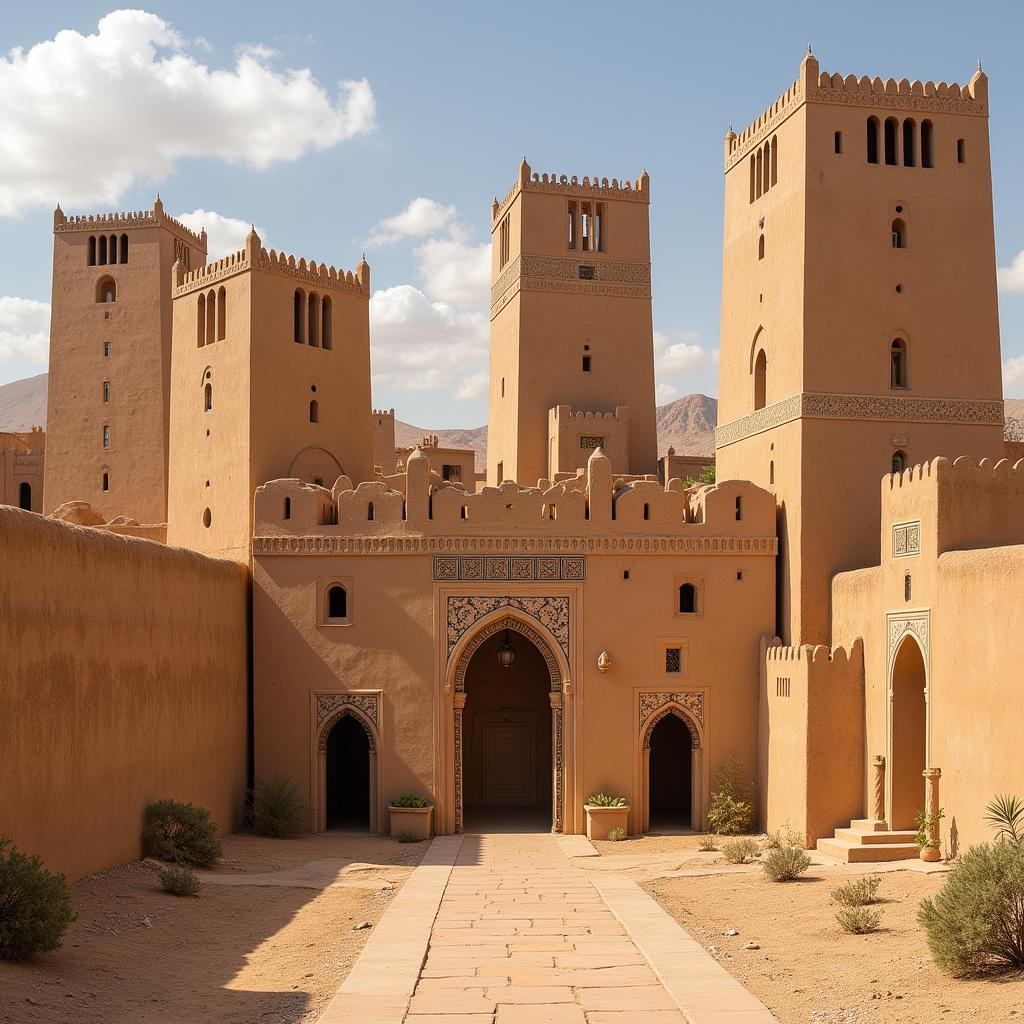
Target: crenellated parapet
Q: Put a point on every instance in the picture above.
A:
(814, 654)
(637, 190)
(599, 505)
(122, 220)
(816, 86)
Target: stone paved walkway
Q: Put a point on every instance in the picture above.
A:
(501, 929)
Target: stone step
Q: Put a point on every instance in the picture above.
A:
(888, 838)
(856, 853)
(869, 825)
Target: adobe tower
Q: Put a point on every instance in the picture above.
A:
(572, 350)
(271, 380)
(860, 331)
(109, 385)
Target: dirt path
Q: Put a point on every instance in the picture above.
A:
(272, 952)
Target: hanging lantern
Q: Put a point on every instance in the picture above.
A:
(506, 652)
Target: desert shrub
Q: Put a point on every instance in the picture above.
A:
(405, 836)
(181, 833)
(975, 924)
(409, 800)
(859, 920)
(708, 843)
(604, 800)
(731, 807)
(858, 893)
(35, 905)
(616, 835)
(179, 880)
(785, 863)
(1006, 816)
(278, 809)
(781, 837)
(739, 851)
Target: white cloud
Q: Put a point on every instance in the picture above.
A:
(224, 235)
(84, 117)
(679, 355)
(24, 330)
(419, 345)
(1011, 278)
(473, 386)
(456, 272)
(1013, 376)
(665, 392)
(421, 217)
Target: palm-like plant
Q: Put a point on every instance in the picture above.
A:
(1006, 816)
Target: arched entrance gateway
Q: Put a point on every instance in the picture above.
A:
(507, 730)
(345, 769)
(672, 797)
(909, 735)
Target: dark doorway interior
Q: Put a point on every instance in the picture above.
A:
(348, 776)
(670, 776)
(25, 496)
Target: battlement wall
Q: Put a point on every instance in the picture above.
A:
(636, 190)
(429, 507)
(118, 221)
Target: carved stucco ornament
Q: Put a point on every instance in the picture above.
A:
(604, 661)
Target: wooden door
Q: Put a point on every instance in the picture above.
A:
(509, 764)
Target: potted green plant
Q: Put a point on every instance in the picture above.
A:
(411, 815)
(605, 813)
(928, 835)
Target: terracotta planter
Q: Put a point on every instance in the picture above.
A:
(930, 854)
(417, 820)
(601, 820)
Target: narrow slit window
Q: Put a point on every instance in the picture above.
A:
(572, 226)
(647, 511)
(369, 512)
(106, 481)
(106, 436)
(106, 391)
(838, 143)
(326, 339)
(775, 162)
(92, 251)
(739, 509)
(599, 228)
(926, 144)
(103, 250)
(314, 320)
(207, 397)
(909, 149)
(891, 141)
(898, 364)
(287, 508)
(586, 364)
(314, 411)
(872, 140)
(760, 248)
(201, 321)
(211, 317)
(961, 151)
(586, 228)
(124, 248)
(753, 177)
(221, 313)
(298, 316)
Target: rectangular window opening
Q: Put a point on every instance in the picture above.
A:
(587, 227)
(572, 226)
(961, 151)
(586, 364)
(839, 142)
(599, 228)
(673, 659)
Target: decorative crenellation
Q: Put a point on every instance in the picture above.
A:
(811, 654)
(637, 190)
(810, 405)
(511, 568)
(127, 219)
(816, 86)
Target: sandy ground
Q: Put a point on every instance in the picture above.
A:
(809, 971)
(269, 938)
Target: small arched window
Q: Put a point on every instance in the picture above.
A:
(337, 602)
(25, 496)
(647, 511)
(775, 160)
(299, 317)
(898, 364)
(767, 169)
(926, 144)
(899, 461)
(124, 248)
(872, 140)
(759, 175)
(909, 131)
(106, 480)
(325, 323)
(92, 250)
(369, 512)
(899, 233)
(771, 471)
(687, 599)
(891, 140)
(113, 248)
(753, 177)
(221, 313)
(314, 319)
(102, 257)
(201, 321)
(314, 411)
(760, 248)
(106, 290)
(207, 397)
(211, 317)
(287, 508)
(106, 435)
(760, 379)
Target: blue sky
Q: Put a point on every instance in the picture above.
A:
(211, 104)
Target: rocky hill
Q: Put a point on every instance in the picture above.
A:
(23, 404)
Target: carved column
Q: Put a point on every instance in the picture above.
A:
(556, 760)
(932, 851)
(878, 810)
(460, 703)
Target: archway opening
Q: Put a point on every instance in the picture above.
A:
(348, 776)
(909, 736)
(507, 768)
(25, 496)
(670, 781)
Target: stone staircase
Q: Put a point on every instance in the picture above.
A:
(867, 841)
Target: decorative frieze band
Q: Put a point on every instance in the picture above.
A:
(654, 545)
(545, 568)
(809, 405)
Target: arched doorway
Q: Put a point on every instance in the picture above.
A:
(347, 782)
(25, 496)
(506, 735)
(909, 735)
(670, 776)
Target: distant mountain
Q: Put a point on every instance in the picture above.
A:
(687, 424)
(23, 404)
